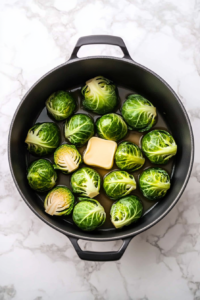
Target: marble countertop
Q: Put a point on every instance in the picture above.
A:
(38, 263)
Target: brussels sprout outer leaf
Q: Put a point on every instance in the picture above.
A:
(79, 129)
(111, 127)
(59, 201)
(126, 211)
(41, 175)
(154, 183)
(88, 214)
(86, 182)
(129, 157)
(118, 184)
(139, 113)
(159, 146)
(43, 138)
(99, 95)
(67, 158)
(60, 105)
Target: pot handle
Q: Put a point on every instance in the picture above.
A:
(100, 256)
(100, 39)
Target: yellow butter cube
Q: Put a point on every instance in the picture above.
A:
(100, 153)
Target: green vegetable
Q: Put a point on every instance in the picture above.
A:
(88, 214)
(86, 182)
(154, 183)
(43, 138)
(111, 127)
(79, 129)
(67, 158)
(159, 146)
(99, 95)
(126, 211)
(139, 113)
(41, 175)
(60, 105)
(129, 157)
(118, 184)
(59, 201)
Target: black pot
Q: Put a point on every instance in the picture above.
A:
(124, 72)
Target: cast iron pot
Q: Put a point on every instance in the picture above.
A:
(124, 72)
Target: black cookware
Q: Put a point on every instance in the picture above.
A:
(124, 72)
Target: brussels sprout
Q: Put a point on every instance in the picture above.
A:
(59, 201)
(41, 175)
(154, 183)
(139, 113)
(88, 214)
(79, 129)
(86, 182)
(129, 157)
(60, 105)
(159, 146)
(99, 95)
(118, 184)
(111, 127)
(126, 211)
(67, 158)
(43, 138)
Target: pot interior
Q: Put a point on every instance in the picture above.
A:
(129, 78)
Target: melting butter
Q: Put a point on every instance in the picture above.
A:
(100, 153)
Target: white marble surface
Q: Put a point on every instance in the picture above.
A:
(38, 263)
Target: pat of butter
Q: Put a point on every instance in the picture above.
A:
(100, 153)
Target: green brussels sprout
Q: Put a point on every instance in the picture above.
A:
(67, 158)
(86, 182)
(126, 211)
(79, 129)
(99, 95)
(41, 175)
(129, 157)
(118, 184)
(159, 146)
(43, 138)
(59, 201)
(111, 127)
(88, 214)
(139, 113)
(60, 105)
(154, 183)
